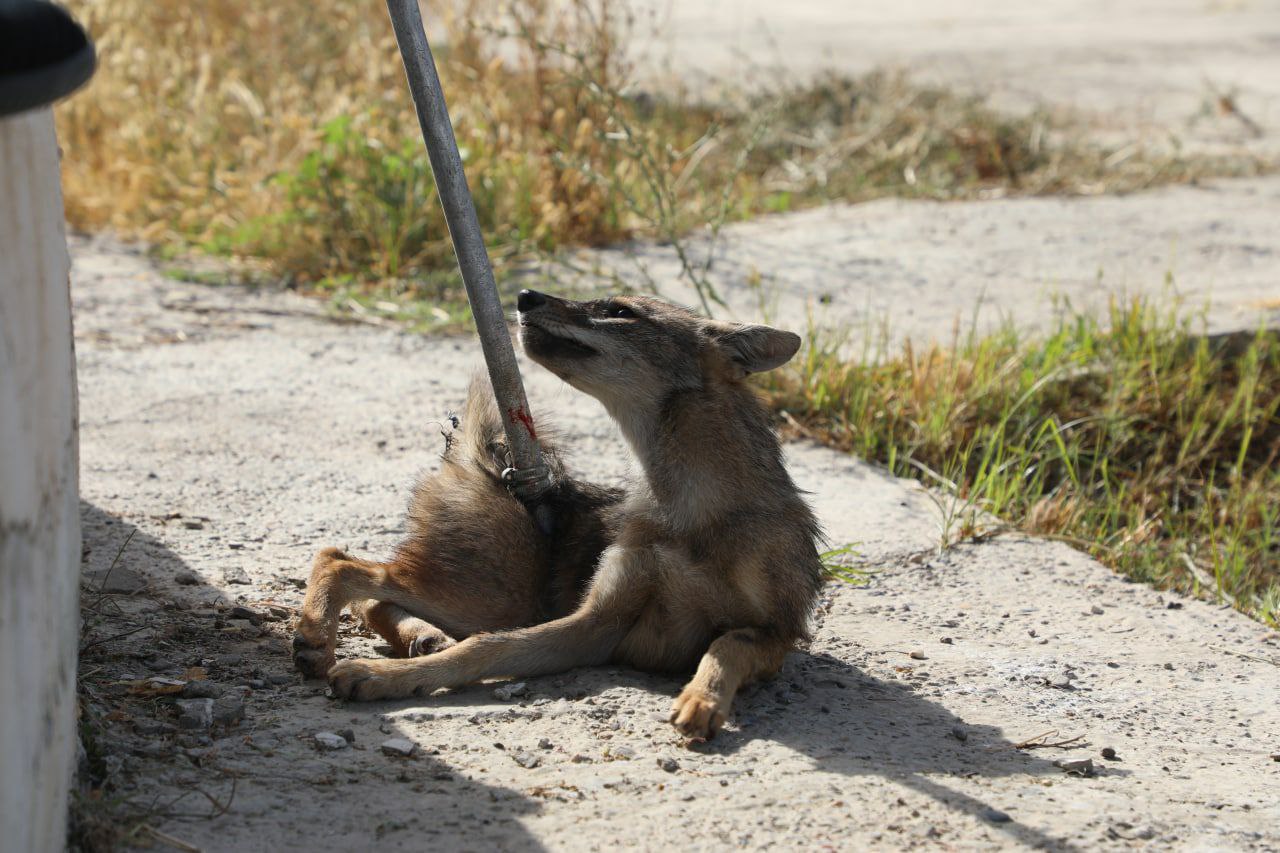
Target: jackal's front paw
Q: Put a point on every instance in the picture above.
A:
(312, 660)
(697, 715)
(366, 680)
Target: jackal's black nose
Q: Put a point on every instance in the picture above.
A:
(530, 299)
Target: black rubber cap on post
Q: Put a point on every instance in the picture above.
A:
(44, 55)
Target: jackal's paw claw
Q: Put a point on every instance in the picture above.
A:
(364, 681)
(696, 715)
(311, 660)
(428, 644)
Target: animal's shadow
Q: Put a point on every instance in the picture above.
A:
(444, 808)
(850, 722)
(844, 721)
(841, 719)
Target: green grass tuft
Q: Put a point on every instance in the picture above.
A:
(1135, 438)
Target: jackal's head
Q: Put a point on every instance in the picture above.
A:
(634, 350)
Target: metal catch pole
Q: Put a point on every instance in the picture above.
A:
(529, 475)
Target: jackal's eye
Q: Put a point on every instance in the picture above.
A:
(619, 312)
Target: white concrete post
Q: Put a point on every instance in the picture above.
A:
(39, 511)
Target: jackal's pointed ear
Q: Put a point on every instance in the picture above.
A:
(755, 348)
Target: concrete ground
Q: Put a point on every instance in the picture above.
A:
(227, 435)
(919, 269)
(1139, 69)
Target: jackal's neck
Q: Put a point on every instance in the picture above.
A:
(705, 453)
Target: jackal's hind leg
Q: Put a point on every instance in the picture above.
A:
(588, 636)
(408, 635)
(734, 659)
(336, 580)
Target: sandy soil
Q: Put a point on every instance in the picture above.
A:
(231, 434)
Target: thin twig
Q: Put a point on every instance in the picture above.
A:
(116, 559)
(88, 646)
(1207, 582)
(1246, 656)
(1039, 742)
(165, 838)
(219, 808)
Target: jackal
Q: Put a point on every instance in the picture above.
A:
(708, 562)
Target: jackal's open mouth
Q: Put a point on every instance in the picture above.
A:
(540, 341)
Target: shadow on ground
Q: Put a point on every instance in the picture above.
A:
(227, 787)
(885, 729)
(842, 720)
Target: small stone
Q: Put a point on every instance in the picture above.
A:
(201, 690)
(228, 710)
(1096, 610)
(185, 578)
(153, 750)
(1109, 753)
(543, 743)
(236, 575)
(527, 760)
(622, 753)
(280, 678)
(670, 765)
(1061, 681)
(242, 612)
(195, 713)
(1168, 666)
(149, 728)
(399, 747)
(1079, 767)
(946, 640)
(959, 734)
(917, 655)
(117, 581)
(330, 741)
(507, 692)
(193, 524)
(995, 815)
(228, 660)
(348, 735)
(579, 758)
(1174, 605)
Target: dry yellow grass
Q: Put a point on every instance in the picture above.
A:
(283, 132)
